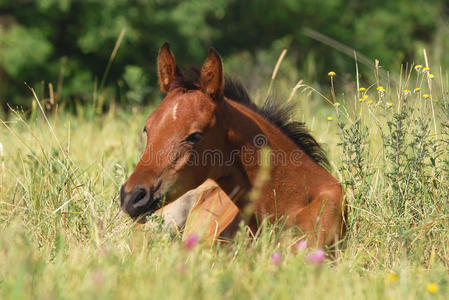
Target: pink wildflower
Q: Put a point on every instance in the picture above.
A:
(191, 241)
(301, 245)
(276, 258)
(316, 257)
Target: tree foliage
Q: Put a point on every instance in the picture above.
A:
(69, 42)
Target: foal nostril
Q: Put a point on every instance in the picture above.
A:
(139, 198)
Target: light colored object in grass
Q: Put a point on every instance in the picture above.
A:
(175, 213)
(206, 211)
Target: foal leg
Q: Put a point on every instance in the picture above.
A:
(321, 220)
(214, 215)
(211, 213)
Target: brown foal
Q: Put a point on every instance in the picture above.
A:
(207, 128)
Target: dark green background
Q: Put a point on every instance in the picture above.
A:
(40, 39)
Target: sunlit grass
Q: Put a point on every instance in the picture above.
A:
(62, 236)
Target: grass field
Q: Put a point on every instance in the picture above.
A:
(62, 236)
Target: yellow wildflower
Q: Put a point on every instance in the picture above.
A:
(426, 96)
(365, 97)
(432, 287)
(416, 90)
(407, 92)
(431, 76)
(418, 67)
(381, 89)
(391, 278)
(337, 104)
(361, 100)
(389, 104)
(330, 118)
(370, 102)
(362, 89)
(331, 74)
(426, 69)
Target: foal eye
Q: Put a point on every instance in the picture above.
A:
(194, 137)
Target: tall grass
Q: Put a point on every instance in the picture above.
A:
(62, 235)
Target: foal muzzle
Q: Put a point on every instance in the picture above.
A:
(139, 201)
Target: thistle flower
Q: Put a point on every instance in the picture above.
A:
(330, 118)
(191, 241)
(418, 67)
(316, 257)
(331, 74)
(432, 287)
(301, 245)
(276, 258)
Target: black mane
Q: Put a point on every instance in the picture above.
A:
(277, 113)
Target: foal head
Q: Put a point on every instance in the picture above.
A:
(179, 130)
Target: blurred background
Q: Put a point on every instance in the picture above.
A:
(77, 52)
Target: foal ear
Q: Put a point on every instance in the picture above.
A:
(167, 70)
(212, 78)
